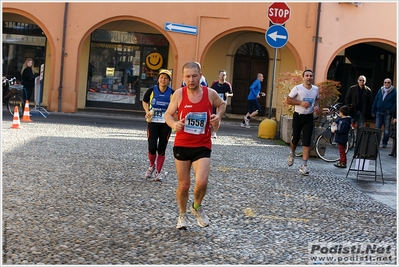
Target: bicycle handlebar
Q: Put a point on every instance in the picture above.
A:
(9, 81)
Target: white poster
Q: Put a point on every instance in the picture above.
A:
(359, 164)
(37, 90)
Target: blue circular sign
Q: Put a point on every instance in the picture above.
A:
(276, 36)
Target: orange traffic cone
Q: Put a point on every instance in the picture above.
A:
(26, 116)
(16, 124)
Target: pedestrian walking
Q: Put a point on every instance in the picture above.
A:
(224, 90)
(305, 97)
(193, 144)
(253, 104)
(155, 102)
(341, 128)
(383, 107)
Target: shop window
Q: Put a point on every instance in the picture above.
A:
(120, 72)
(17, 48)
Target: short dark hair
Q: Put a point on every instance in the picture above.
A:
(191, 65)
(344, 110)
(303, 73)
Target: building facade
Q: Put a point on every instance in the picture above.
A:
(107, 55)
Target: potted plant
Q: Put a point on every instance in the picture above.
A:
(285, 82)
(328, 92)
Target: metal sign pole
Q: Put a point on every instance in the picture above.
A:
(273, 74)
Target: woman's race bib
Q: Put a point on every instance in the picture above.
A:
(159, 115)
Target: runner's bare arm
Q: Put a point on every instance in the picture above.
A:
(171, 111)
(217, 102)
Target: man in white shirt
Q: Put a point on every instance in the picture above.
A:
(305, 97)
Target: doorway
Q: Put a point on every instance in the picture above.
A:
(374, 62)
(250, 59)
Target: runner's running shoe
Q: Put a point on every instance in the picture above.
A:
(182, 222)
(304, 170)
(290, 159)
(245, 125)
(158, 177)
(202, 219)
(149, 172)
(246, 122)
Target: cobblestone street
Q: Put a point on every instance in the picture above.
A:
(76, 194)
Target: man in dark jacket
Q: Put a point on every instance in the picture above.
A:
(359, 98)
(383, 107)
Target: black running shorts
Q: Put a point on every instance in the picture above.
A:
(191, 153)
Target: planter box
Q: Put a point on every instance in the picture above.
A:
(285, 128)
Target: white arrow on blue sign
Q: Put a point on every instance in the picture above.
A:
(181, 28)
(276, 36)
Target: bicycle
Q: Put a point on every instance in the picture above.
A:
(12, 97)
(325, 146)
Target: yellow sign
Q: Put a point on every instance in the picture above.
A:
(154, 60)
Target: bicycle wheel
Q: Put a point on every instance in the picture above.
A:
(15, 101)
(351, 139)
(326, 150)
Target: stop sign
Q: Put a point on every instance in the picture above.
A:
(279, 13)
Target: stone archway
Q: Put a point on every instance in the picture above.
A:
(250, 58)
(376, 61)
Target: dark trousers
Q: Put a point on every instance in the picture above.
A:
(27, 94)
(158, 136)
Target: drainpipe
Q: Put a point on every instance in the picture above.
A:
(62, 58)
(316, 42)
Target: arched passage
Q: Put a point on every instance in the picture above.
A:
(250, 58)
(24, 36)
(376, 61)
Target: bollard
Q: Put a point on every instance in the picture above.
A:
(267, 129)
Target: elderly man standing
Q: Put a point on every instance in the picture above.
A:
(359, 98)
(383, 107)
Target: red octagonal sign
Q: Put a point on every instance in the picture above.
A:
(279, 13)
